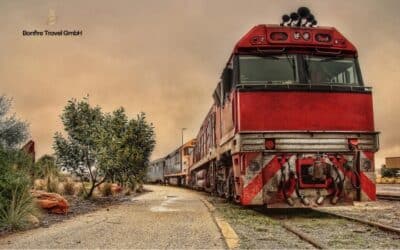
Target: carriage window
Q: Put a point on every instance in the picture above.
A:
(268, 69)
(331, 70)
(188, 150)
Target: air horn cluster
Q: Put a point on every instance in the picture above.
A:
(303, 18)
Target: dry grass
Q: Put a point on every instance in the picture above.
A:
(80, 190)
(39, 184)
(128, 191)
(53, 185)
(106, 189)
(50, 184)
(69, 187)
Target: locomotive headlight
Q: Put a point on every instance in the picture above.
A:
(366, 165)
(348, 165)
(306, 36)
(254, 166)
(323, 38)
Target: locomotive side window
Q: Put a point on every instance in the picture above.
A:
(217, 95)
(331, 70)
(268, 69)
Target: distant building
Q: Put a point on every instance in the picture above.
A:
(392, 162)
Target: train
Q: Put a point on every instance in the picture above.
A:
(291, 124)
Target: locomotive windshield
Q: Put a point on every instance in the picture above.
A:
(284, 69)
(331, 70)
(270, 69)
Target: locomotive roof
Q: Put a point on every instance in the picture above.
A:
(276, 38)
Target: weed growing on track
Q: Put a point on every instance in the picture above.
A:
(244, 215)
(257, 230)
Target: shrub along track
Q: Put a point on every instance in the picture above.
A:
(329, 230)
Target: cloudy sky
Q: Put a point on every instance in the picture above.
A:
(164, 57)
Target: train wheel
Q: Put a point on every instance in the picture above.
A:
(230, 191)
(221, 188)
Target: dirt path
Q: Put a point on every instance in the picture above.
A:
(168, 217)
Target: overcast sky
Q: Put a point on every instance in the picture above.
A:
(164, 57)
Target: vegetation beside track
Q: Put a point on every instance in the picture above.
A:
(255, 230)
(265, 228)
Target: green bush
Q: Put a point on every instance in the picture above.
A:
(389, 172)
(15, 215)
(16, 203)
(45, 166)
(132, 185)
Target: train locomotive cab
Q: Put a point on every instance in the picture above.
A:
(177, 164)
(292, 122)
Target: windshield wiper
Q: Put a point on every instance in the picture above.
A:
(291, 64)
(269, 57)
(307, 69)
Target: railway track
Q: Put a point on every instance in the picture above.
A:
(325, 230)
(388, 197)
(362, 221)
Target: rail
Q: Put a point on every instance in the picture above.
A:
(389, 197)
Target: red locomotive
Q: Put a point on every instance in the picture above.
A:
(292, 122)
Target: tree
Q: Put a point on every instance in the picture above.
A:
(103, 146)
(12, 130)
(110, 143)
(139, 136)
(78, 151)
(126, 146)
(46, 166)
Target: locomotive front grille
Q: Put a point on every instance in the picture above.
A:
(308, 141)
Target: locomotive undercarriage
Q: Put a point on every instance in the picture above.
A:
(309, 180)
(288, 180)
(293, 179)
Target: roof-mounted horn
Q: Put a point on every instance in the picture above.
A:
(301, 18)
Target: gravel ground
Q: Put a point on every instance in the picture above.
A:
(263, 230)
(77, 207)
(341, 233)
(255, 230)
(384, 212)
(168, 217)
